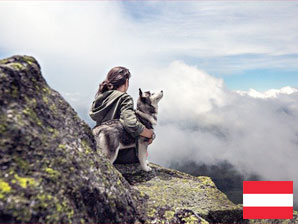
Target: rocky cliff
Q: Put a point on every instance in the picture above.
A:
(50, 170)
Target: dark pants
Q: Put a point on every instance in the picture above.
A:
(127, 156)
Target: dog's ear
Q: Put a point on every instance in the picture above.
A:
(140, 92)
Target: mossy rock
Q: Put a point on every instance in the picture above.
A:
(50, 170)
(278, 221)
(176, 197)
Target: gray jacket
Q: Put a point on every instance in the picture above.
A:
(114, 104)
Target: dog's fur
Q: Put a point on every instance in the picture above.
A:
(111, 136)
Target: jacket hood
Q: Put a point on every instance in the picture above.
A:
(103, 103)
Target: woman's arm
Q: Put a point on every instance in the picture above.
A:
(129, 119)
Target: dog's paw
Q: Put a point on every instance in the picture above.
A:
(147, 168)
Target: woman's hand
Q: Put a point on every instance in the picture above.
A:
(148, 133)
(150, 141)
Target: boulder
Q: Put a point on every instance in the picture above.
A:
(176, 197)
(50, 170)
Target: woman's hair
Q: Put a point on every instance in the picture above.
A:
(116, 77)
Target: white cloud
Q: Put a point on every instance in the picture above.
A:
(185, 86)
(89, 35)
(203, 121)
(271, 93)
(225, 28)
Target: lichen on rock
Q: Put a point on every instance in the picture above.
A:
(50, 170)
(176, 197)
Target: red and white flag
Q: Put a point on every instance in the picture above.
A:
(267, 199)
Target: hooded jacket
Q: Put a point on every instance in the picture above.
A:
(114, 104)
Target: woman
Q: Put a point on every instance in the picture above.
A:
(112, 102)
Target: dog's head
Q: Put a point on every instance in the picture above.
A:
(148, 102)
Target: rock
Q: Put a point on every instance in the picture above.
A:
(279, 221)
(49, 168)
(176, 197)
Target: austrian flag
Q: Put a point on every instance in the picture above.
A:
(267, 199)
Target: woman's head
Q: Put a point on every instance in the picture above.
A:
(116, 77)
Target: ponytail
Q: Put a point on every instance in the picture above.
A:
(116, 77)
(105, 86)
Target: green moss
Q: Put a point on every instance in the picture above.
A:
(46, 90)
(45, 99)
(169, 215)
(36, 86)
(151, 212)
(64, 208)
(206, 181)
(16, 65)
(61, 146)
(59, 207)
(52, 172)
(86, 147)
(119, 183)
(35, 83)
(20, 119)
(54, 132)
(53, 107)
(31, 102)
(29, 60)
(33, 79)
(29, 112)
(2, 75)
(4, 188)
(44, 197)
(25, 181)
(70, 213)
(190, 219)
(44, 200)
(4, 61)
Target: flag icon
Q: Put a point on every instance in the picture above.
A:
(267, 199)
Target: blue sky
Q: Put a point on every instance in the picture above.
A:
(262, 79)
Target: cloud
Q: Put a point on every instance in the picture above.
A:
(271, 93)
(203, 121)
(216, 30)
(78, 42)
(92, 35)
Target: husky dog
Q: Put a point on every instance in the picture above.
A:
(111, 136)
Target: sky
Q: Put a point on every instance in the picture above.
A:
(229, 71)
